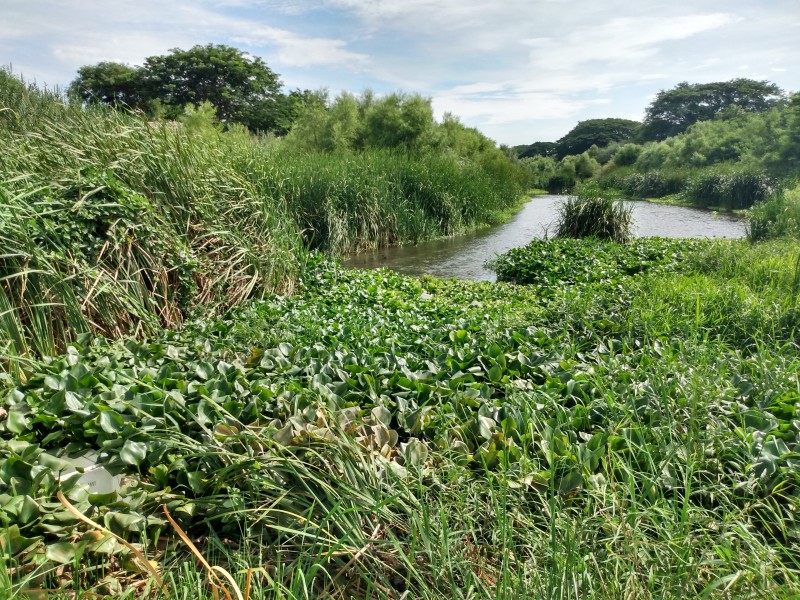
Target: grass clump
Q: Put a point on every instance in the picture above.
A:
(729, 188)
(775, 217)
(593, 213)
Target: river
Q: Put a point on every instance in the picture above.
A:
(463, 256)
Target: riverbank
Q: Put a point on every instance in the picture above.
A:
(375, 434)
(463, 257)
(115, 225)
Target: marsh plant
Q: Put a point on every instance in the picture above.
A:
(594, 213)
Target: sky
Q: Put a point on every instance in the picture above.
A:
(519, 70)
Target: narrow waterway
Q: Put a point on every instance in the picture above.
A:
(463, 256)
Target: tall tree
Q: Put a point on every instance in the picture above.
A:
(675, 110)
(595, 132)
(109, 83)
(226, 77)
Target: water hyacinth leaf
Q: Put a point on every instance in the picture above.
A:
(570, 482)
(383, 415)
(62, 553)
(486, 427)
(28, 511)
(123, 523)
(495, 374)
(415, 452)
(133, 453)
(13, 542)
(195, 482)
(17, 422)
(204, 371)
(111, 421)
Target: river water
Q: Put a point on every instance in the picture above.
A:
(463, 256)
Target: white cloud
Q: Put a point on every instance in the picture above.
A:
(95, 30)
(514, 68)
(620, 41)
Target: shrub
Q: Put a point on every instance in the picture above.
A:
(627, 155)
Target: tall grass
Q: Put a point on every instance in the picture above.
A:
(115, 225)
(729, 188)
(623, 440)
(348, 202)
(776, 217)
(593, 213)
(650, 184)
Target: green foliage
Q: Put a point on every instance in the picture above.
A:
(114, 225)
(570, 171)
(345, 202)
(201, 118)
(553, 263)
(595, 132)
(729, 188)
(593, 213)
(776, 216)
(540, 169)
(109, 83)
(217, 218)
(547, 149)
(627, 155)
(440, 425)
(398, 121)
(241, 88)
(673, 111)
(730, 161)
(655, 183)
(227, 78)
(394, 122)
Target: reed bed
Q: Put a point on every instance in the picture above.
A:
(115, 225)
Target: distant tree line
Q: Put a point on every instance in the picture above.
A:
(737, 124)
(671, 112)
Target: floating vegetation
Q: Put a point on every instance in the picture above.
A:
(373, 431)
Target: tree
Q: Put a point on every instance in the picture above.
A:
(398, 121)
(278, 113)
(673, 111)
(110, 83)
(536, 149)
(234, 83)
(595, 132)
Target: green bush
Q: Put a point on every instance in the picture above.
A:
(112, 224)
(627, 155)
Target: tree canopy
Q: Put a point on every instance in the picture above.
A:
(673, 111)
(109, 83)
(242, 88)
(226, 77)
(595, 132)
(536, 149)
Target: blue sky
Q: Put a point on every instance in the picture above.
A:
(519, 70)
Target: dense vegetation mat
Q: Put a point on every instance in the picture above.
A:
(376, 435)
